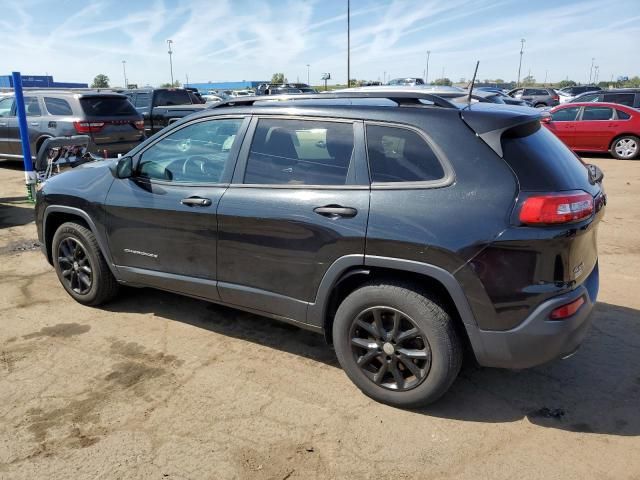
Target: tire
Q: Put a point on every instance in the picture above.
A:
(626, 147)
(438, 342)
(76, 258)
(540, 105)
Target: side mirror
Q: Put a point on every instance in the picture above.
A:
(546, 118)
(595, 174)
(123, 168)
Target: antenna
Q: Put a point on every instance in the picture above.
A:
(473, 81)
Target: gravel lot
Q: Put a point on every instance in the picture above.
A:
(159, 386)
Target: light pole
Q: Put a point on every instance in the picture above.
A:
(595, 76)
(426, 75)
(348, 43)
(591, 69)
(522, 40)
(546, 73)
(124, 71)
(384, 78)
(169, 42)
(308, 83)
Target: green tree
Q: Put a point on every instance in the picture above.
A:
(175, 84)
(566, 83)
(528, 81)
(442, 81)
(278, 78)
(633, 82)
(100, 81)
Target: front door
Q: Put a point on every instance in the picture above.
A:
(563, 124)
(161, 223)
(34, 125)
(299, 201)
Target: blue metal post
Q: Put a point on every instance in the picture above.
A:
(29, 175)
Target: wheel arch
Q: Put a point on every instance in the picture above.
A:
(620, 135)
(56, 215)
(433, 278)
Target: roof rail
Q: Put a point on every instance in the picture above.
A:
(401, 98)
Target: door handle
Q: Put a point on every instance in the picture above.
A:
(335, 211)
(196, 202)
(35, 124)
(3, 124)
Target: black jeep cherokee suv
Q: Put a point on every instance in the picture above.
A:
(405, 228)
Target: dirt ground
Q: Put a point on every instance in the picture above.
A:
(159, 386)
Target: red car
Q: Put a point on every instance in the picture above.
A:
(597, 127)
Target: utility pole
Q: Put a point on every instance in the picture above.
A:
(591, 70)
(348, 43)
(595, 76)
(546, 73)
(186, 75)
(169, 42)
(308, 83)
(124, 71)
(426, 75)
(384, 78)
(522, 40)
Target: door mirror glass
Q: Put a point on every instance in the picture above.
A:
(123, 168)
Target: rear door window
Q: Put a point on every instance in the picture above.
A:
(300, 152)
(104, 106)
(565, 114)
(400, 155)
(597, 113)
(621, 98)
(57, 106)
(32, 106)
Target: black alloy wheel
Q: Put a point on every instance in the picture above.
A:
(75, 265)
(390, 349)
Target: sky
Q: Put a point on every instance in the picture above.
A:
(232, 40)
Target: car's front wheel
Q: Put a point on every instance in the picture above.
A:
(397, 344)
(80, 265)
(626, 147)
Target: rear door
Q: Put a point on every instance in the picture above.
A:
(594, 129)
(161, 222)
(299, 202)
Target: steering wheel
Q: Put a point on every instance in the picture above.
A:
(200, 167)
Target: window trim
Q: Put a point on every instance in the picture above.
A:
(357, 183)
(233, 153)
(449, 174)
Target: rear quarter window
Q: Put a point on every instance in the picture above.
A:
(542, 162)
(623, 115)
(107, 107)
(57, 106)
(400, 155)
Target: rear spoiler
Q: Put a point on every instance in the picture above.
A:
(490, 122)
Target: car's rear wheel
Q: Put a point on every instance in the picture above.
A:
(397, 344)
(80, 265)
(540, 105)
(626, 147)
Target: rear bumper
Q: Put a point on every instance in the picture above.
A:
(538, 340)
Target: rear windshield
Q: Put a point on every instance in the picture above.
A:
(171, 97)
(543, 163)
(107, 107)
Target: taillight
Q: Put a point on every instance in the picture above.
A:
(139, 124)
(556, 208)
(88, 127)
(565, 311)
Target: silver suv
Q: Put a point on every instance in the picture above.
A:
(109, 119)
(537, 96)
